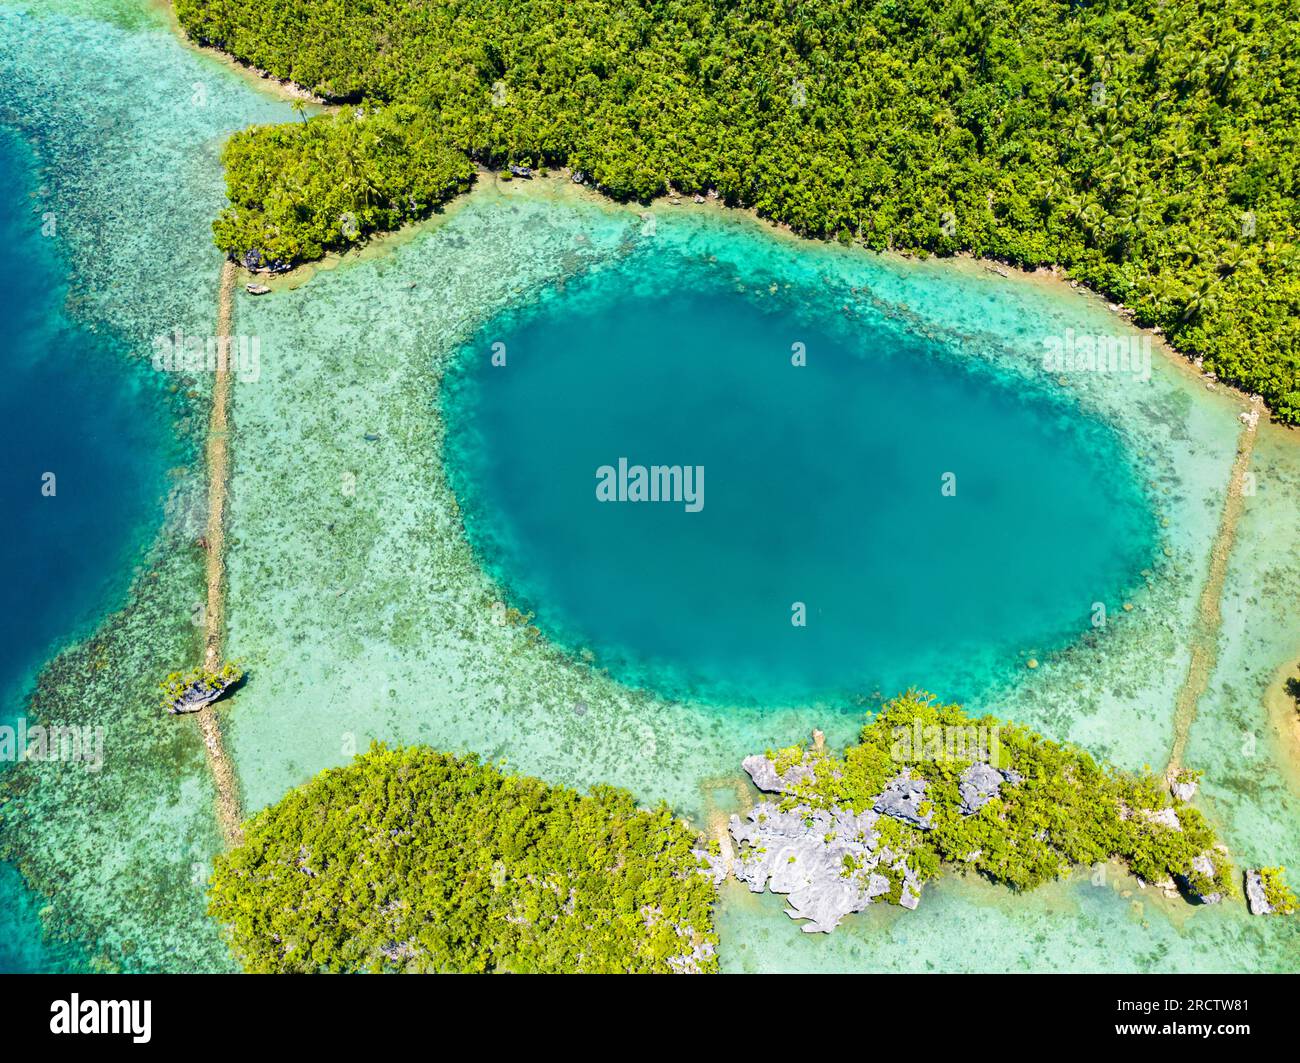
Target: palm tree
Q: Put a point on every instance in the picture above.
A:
(1204, 298)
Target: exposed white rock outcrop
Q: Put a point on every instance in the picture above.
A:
(1202, 865)
(1165, 817)
(761, 769)
(1256, 899)
(1183, 784)
(202, 691)
(718, 866)
(903, 798)
(827, 862)
(980, 784)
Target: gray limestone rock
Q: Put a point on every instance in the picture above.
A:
(902, 799)
(1165, 817)
(826, 862)
(1255, 899)
(716, 867)
(978, 786)
(198, 695)
(763, 772)
(910, 898)
(1205, 866)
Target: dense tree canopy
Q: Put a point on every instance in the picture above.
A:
(412, 860)
(1148, 146)
(300, 189)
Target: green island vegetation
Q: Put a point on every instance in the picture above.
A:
(1067, 810)
(198, 686)
(1150, 147)
(1280, 897)
(415, 860)
(300, 189)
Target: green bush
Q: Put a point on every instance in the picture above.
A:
(305, 188)
(413, 860)
(1277, 893)
(198, 681)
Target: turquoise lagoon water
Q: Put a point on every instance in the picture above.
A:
(86, 436)
(363, 611)
(72, 410)
(109, 134)
(927, 515)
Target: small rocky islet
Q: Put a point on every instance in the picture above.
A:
(839, 834)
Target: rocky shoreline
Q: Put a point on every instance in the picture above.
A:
(830, 863)
(833, 861)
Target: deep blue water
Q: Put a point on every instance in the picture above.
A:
(823, 485)
(71, 405)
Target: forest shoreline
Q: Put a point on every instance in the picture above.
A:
(284, 89)
(260, 80)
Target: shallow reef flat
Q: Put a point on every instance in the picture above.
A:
(377, 335)
(1244, 735)
(355, 601)
(1111, 689)
(127, 126)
